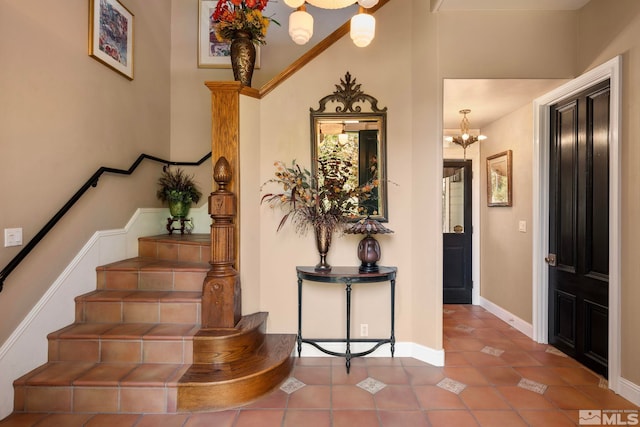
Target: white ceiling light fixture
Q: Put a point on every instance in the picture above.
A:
(363, 25)
(465, 139)
(300, 25)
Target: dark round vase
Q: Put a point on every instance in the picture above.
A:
(243, 57)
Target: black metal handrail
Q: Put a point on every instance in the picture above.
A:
(91, 182)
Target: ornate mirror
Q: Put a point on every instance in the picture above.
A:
(355, 133)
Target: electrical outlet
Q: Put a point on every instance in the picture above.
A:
(12, 237)
(364, 330)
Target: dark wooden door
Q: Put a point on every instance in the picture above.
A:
(456, 232)
(579, 227)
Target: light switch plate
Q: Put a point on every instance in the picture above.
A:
(522, 226)
(12, 237)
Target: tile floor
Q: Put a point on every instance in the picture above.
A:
(493, 376)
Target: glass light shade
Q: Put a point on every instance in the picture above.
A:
(363, 29)
(481, 137)
(294, 3)
(367, 3)
(300, 26)
(331, 4)
(343, 138)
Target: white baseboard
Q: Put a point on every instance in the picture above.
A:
(513, 320)
(402, 349)
(629, 390)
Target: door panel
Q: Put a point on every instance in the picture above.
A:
(457, 232)
(579, 227)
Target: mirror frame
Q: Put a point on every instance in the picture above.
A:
(349, 94)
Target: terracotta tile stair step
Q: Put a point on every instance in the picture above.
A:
(185, 247)
(229, 344)
(123, 343)
(108, 306)
(99, 388)
(207, 386)
(144, 273)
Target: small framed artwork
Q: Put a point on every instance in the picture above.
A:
(211, 52)
(499, 179)
(111, 35)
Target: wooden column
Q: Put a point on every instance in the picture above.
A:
(221, 298)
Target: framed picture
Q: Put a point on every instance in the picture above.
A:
(111, 35)
(211, 52)
(499, 179)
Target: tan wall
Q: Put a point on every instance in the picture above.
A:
(506, 262)
(618, 25)
(62, 116)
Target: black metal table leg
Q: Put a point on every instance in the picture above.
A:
(299, 316)
(348, 350)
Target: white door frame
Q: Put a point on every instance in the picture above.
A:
(610, 70)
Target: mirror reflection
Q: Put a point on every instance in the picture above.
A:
(357, 139)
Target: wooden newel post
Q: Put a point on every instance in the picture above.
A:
(221, 299)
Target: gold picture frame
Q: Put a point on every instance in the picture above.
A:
(499, 179)
(211, 52)
(111, 35)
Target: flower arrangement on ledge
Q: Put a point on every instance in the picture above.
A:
(328, 201)
(231, 16)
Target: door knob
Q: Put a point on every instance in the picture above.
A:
(551, 260)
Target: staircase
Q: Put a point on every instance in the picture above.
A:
(136, 345)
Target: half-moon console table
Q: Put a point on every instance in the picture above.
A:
(347, 276)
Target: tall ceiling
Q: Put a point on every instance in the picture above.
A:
(488, 99)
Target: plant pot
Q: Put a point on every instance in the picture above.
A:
(179, 209)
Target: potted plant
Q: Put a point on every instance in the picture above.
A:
(179, 190)
(324, 203)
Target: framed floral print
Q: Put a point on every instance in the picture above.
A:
(213, 53)
(111, 35)
(499, 179)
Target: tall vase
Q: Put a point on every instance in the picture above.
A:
(243, 57)
(323, 242)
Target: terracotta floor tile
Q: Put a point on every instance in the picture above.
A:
(277, 399)
(66, 420)
(311, 397)
(351, 397)
(451, 418)
(396, 397)
(500, 375)
(541, 374)
(499, 419)
(520, 398)
(463, 344)
(355, 375)
(389, 374)
(313, 374)
(465, 374)
(547, 419)
(433, 397)
(578, 376)
(482, 397)
(260, 418)
(296, 418)
(161, 420)
(566, 397)
(424, 375)
(606, 398)
(455, 358)
(403, 419)
(110, 420)
(210, 419)
(355, 419)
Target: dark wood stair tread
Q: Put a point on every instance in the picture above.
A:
(276, 348)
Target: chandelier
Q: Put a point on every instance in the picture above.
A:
(363, 25)
(465, 139)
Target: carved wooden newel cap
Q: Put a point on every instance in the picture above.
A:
(222, 173)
